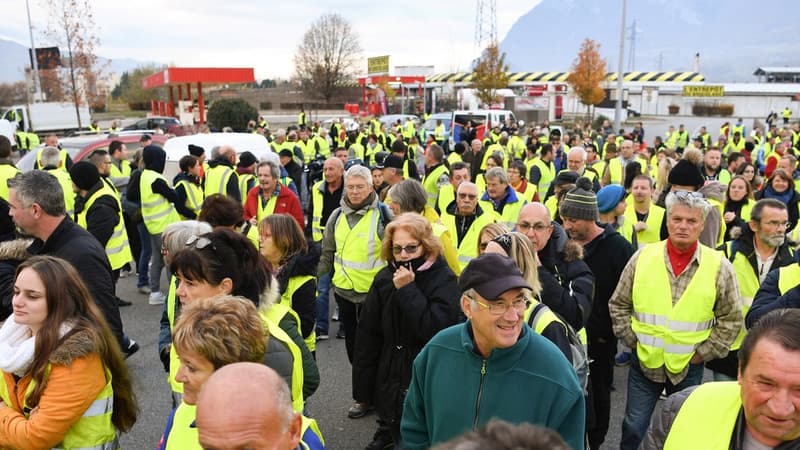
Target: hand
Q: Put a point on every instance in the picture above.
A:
(402, 277)
(253, 221)
(640, 226)
(696, 359)
(730, 215)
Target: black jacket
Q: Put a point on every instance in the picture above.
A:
(304, 300)
(12, 253)
(567, 282)
(102, 217)
(791, 206)
(74, 244)
(606, 256)
(295, 172)
(180, 191)
(393, 327)
(232, 188)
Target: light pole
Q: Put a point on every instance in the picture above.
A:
(34, 60)
(618, 108)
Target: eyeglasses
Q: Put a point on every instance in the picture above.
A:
(469, 196)
(409, 249)
(685, 195)
(500, 308)
(777, 224)
(356, 187)
(525, 226)
(199, 242)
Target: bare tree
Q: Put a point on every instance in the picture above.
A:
(72, 28)
(11, 93)
(327, 56)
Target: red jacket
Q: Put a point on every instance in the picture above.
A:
(287, 203)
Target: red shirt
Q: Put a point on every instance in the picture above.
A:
(286, 202)
(680, 258)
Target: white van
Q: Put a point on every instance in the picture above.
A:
(482, 121)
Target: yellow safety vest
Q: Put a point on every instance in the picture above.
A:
(654, 220)
(668, 335)
(308, 150)
(615, 171)
(194, 196)
(244, 184)
(268, 209)
(529, 192)
(271, 318)
(510, 211)
(317, 227)
(157, 212)
(63, 153)
(491, 150)
(217, 178)
(548, 172)
(174, 360)
(468, 248)
(123, 171)
(94, 429)
(707, 418)
(748, 286)
(118, 248)
(183, 435)
(286, 298)
(9, 171)
(453, 158)
(324, 146)
(431, 183)
(410, 129)
(357, 259)
(788, 277)
(721, 208)
(552, 205)
(66, 185)
(439, 133)
(309, 423)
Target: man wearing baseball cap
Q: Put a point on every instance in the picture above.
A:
(492, 366)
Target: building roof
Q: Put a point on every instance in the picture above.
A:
(767, 70)
(182, 75)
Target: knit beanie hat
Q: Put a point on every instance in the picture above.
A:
(580, 203)
(566, 177)
(609, 197)
(247, 159)
(685, 174)
(84, 174)
(196, 150)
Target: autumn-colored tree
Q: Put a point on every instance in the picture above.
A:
(490, 74)
(12, 93)
(327, 57)
(71, 27)
(588, 73)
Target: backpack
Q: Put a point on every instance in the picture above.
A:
(580, 357)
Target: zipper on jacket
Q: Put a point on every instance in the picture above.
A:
(478, 400)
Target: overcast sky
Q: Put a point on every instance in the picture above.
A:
(265, 34)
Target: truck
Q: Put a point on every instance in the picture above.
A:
(48, 117)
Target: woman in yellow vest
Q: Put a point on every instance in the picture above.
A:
(226, 262)
(187, 185)
(412, 298)
(738, 204)
(64, 381)
(293, 262)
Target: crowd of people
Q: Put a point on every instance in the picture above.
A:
(485, 293)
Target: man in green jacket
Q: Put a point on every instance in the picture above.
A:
(504, 370)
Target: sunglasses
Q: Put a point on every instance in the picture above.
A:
(199, 242)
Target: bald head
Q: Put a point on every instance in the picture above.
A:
(534, 222)
(263, 412)
(228, 152)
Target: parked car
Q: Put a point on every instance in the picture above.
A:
(177, 147)
(150, 123)
(82, 146)
(482, 120)
(430, 124)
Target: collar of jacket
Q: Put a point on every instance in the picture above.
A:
(500, 359)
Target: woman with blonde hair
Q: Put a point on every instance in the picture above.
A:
(64, 381)
(489, 232)
(541, 319)
(411, 299)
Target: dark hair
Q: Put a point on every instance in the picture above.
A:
(520, 166)
(5, 146)
(114, 146)
(733, 156)
(632, 170)
(780, 325)
(69, 301)
(187, 162)
(219, 210)
(545, 149)
(227, 254)
(460, 165)
(500, 435)
(758, 209)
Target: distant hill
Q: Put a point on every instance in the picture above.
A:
(15, 59)
(733, 37)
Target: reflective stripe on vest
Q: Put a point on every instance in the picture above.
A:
(117, 247)
(748, 286)
(431, 183)
(548, 174)
(655, 217)
(357, 259)
(217, 179)
(157, 212)
(667, 335)
(468, 247)
(194, 196)
(317, 227)
(286, 299)
(271, 318)
(182, 435)
(707, 418)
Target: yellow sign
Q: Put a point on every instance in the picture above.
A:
(704, 91)
(378, 65)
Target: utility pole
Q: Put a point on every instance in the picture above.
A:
(632, 50)
(618, 108)
(36, 82)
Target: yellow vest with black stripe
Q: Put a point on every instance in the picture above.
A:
(7, 172)
(194, 196)
(174, 361)
(123, 171)
(118, 249)
(66, 185)
(157, 211)
(182, 435)
(707, 418)
(358, 252)
(548, 174)
(788, 277)
(62, 153)
(271, 318)
(217, 178)
(245, 185)
(655, 217)
(286, 299)
(468, 247)
(431, 183)
(93, 430)
(668, 335)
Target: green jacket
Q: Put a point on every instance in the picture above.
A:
(528, 382)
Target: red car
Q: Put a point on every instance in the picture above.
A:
(83, 146)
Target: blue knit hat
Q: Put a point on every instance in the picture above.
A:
(609, 197)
